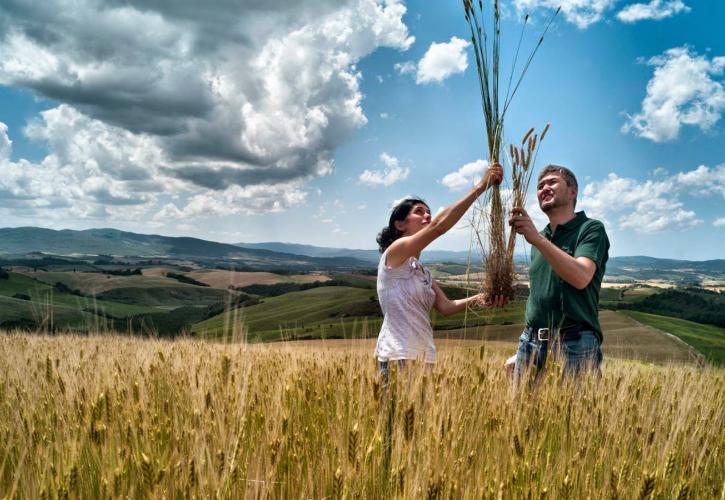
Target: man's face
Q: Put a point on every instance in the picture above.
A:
(552, 192)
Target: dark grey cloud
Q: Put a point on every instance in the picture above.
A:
(28, 203)
(221, 177)
(105, 197)
(148, 105)
(168, 97)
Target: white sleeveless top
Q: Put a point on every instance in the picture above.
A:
(406, 297)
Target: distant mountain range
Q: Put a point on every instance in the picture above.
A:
(112, 242)
(641, 262)
(25, 240)
(651, 268)
(367, 255)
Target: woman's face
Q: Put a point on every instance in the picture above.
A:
(417, 219)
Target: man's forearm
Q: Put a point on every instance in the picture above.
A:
(567, 267)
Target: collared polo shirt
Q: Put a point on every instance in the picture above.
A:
(553, 302)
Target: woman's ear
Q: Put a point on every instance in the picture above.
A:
(400, 225)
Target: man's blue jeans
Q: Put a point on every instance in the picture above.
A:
(579, 355)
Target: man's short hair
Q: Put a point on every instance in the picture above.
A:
(567, 174)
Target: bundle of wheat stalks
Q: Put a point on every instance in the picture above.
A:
(498, 258)
(521, 168)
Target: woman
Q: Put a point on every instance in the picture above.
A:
(405, 288)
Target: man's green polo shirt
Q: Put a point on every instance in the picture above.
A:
(552, 301)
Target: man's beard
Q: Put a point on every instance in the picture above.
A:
(555, 202)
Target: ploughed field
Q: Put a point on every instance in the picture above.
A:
(109, 416)
(224, 279)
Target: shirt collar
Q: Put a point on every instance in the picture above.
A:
(577, 221)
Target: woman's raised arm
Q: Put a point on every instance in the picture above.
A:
(412, 244)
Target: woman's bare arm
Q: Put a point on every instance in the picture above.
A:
(408, 246)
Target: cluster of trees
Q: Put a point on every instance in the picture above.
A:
(241, 300)
(39, 263)
(693, 304)
(123, 272)
(185, 279)
(63, 288)
(4, 274)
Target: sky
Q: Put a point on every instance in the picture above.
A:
(304, 122)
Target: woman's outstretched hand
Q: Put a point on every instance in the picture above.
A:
(492, 177)
(484, 300)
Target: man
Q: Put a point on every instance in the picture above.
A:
(568, 259)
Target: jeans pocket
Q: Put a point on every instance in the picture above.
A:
(586, 346)
(523, 339)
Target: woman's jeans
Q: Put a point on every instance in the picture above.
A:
(579, 355)
(384, 367)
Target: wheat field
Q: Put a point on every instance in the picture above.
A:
(116, 417)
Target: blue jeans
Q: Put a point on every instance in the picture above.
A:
(579, 355)
(383, 366)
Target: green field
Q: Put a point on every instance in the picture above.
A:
(31, 303)
(332, 312)
(17, 313)
(513, 313)
(66, 308)
(612, 297)
(96, 283)
(707, 339)
(325, 312)
(157, 305)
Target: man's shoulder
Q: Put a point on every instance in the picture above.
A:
(592, 224)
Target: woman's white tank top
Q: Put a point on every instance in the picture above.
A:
(406, 297)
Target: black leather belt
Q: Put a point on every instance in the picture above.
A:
(572, 332)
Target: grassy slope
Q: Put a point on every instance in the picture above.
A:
(709, 340)
(14, 310)
(94, 283)
(42, 296)
(510, 315)
(612, 297)
(166, 297)
(332, 312)
(126, 295)
(315, 313)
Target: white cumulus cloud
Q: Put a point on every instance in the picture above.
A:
(703, 180)
(442, 60)
(656, 10)
(685, 90)
(719, 222)
(653, 205)
(99, 171)
(465, 177)
(405, 68)
(391, 174)
(581, 13)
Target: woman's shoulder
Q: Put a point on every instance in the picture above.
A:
(405, 267)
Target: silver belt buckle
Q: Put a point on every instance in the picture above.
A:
(543, 334)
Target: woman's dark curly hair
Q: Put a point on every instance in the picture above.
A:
(390, 233)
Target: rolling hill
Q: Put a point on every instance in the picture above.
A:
(646, 268)
(366, 255)
(28, 240)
